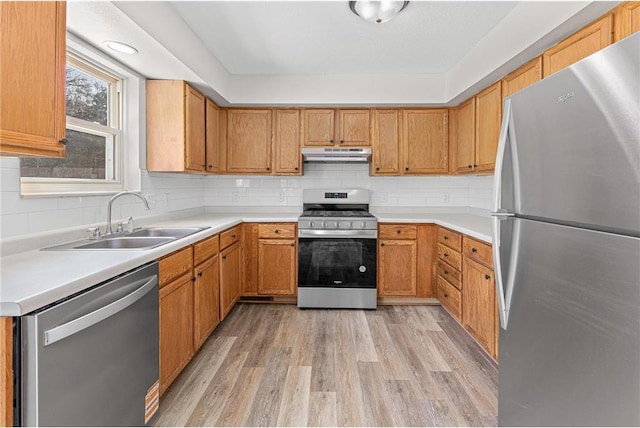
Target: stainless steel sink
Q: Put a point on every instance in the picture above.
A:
(142, 239)
(124, 242)
(172, 232)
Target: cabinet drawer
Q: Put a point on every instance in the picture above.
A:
(205, 249)
(398, 231)
(450, 238)
(174, 265)
(276, 230)
(450, 274)
(478, 251)
(229, 236)
(450, 297)
(450, 256)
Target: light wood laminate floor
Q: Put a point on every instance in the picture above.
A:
(276, 365)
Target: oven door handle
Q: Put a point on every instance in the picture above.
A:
(363, 234)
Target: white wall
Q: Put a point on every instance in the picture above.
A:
(22, 216)
(461, 191)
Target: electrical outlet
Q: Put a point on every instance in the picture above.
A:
(281, 196)
(445, 198)
(235, 197)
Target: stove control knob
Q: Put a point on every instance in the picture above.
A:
(311, 224)
(363, 224)
(324, 224)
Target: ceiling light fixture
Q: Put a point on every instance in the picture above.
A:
(121, 47)
(377, 12)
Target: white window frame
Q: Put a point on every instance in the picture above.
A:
(128, 92)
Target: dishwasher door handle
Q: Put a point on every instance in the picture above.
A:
(86, 321)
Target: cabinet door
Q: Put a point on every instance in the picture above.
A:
(426, 261)
(277, 266)
(229, 278)
(397, 269)
(580, 45)
(287, 142)
(212, 135)
(318, 127)
(425, 141)
(176, 329)
(354, 127)
(206, 302)
(479, 304)
(32, 78)
(466, 137)
(524, 76)
(386, 142)
(194, 130)
(488, 118)
(627, 19)
(249, 141)
(6, 368)
(249, 259)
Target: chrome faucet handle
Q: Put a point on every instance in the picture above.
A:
(95, 232)
(120, 227)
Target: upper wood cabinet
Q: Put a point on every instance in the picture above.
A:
(465, 137)
(318, 127)
(214, 140)
(589, 40)
(425, 141)
(330, 127)
(32, 78)
(175, 127)
(353, 127)
(524, 76)
(385, 142)
(288, 160)
(249, 141)
(627, 19)
(488, 121)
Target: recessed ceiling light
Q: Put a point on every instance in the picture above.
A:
(121, 47)
(377, 12)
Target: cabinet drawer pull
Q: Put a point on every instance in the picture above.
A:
(200, 274)
(473, 250)
(382, 244)
(398, 232)
(446, 238)
(293, 245)
(487, 277)
(446, 296)
(233, 236)
(276, 231)
(446, 255)
(446, 272)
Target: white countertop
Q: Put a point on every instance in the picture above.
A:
(33, 279)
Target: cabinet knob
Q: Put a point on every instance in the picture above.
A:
(446, 296)
(293, 245)
(446, 255)
(224, 257)
(64, 141)
(296, 168)
(193, 279)
(446, 238)
(233, 236)
(377, 168)
(470, 166)
(398, 231)
(382, 244)
(276, 231)
(446, 272)
(473, 250)
(406, 168)
(200, 274)
(331, 141)
(341, 141)
(209, 166)
(487, 277)
(268, 169)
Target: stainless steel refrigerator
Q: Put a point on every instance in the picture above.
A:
(566, 227)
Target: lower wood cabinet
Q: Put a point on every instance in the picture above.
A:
(206, 301)
(176, 328)
(229, 278)
(478, 304)
(277, 266)
(406, 260)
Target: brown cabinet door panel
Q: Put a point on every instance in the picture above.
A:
(206, 302)
(318, 127)
(466, 137)
(523, 77)
(277, 260)
(249, 141)
(627, 19)
(176, 329)
(249, 259)
(478, 304)
(354, 127)
(425, 141)
(32, 78)
(212, 137)
(397, 268)
(385, 141)
(195, 130)
(287, 134)
(229, 278)
(488, 118)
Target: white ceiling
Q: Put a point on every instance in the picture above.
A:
(325, 37)
(320, 53)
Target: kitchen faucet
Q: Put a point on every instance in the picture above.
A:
(109, 231)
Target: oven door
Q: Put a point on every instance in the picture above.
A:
(338, 262)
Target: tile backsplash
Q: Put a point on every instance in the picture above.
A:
(174, 192)
(440, 191)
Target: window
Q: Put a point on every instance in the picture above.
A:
(97, 157)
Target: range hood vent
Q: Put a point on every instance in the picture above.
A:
(336, 155)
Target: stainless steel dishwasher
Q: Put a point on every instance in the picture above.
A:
(92, 359)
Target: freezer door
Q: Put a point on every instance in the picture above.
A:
(570, 355)
(576, 138)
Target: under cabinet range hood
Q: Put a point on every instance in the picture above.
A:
(336, 155)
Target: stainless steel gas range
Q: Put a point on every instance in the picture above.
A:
(337, 242)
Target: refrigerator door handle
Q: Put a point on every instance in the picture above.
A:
(497, 265)
(502, 146)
